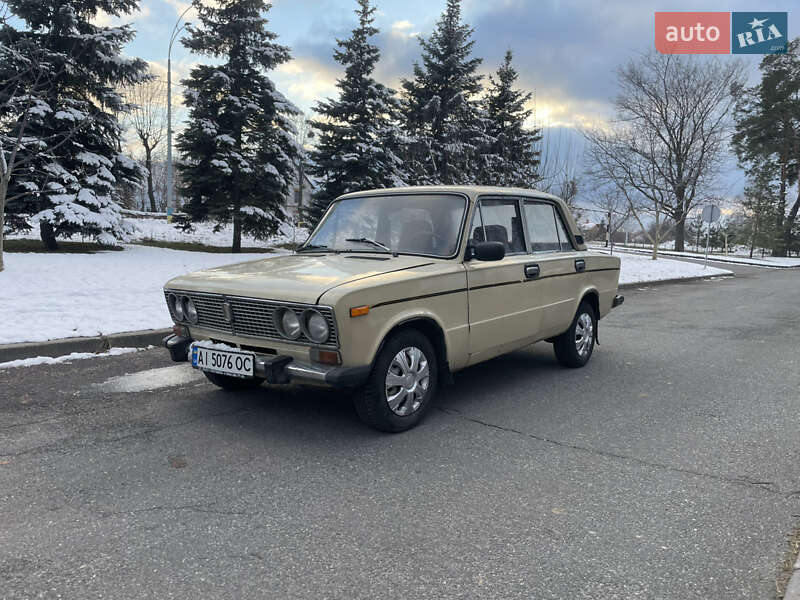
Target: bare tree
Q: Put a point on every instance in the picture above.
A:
(616, 211)
(673, 126)
(621, 159)
(149, 122)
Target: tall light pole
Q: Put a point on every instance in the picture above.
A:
(176, 30)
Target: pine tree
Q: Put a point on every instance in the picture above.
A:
(443, 120)
(238, 148)
(511, 157)
(64, 113)
(358, 132)
(768, 133)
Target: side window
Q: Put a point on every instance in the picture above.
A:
(542, 227)
(498, 221)
(566, 244)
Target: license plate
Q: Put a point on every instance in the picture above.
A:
(226, 362)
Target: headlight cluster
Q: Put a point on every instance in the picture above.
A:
(183, 308)
(290, 324)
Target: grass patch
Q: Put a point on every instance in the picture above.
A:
(198, 247)
(63, 247)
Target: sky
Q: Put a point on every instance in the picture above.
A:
(566, 51)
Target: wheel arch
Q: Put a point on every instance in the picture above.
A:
(592, 296)
(431, 329)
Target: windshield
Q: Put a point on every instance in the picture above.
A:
(405, 224)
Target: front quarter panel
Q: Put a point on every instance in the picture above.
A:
(436, 292)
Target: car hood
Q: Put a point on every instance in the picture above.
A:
(296, 277)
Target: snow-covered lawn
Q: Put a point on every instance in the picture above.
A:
(203, 233)
(50, 296)
(146, 228)
(767, 261)
(637, 268)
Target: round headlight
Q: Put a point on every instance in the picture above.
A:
(190, 310)
(287, 323)
(316, 327)
(177, 306)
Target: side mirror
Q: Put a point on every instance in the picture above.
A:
(486, 251)
(579, 240)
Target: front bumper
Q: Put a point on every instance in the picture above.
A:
(284, 369)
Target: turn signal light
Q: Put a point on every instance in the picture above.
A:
(326, 357)
(359, 311)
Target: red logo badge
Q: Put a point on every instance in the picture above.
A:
(693, 32)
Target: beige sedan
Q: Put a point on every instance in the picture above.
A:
(393, 292)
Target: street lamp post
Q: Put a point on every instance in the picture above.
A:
(176, 30)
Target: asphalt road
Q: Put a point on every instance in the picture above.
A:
(667, 468)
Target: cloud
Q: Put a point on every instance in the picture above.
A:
(103, 19)
(306, 80)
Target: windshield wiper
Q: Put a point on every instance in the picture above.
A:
(365, 240)
(321, 247)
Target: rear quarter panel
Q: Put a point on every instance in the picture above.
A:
(601, 276)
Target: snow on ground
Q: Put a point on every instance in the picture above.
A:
(149, 228)
(159, 229)
(49, 360)
(49, 296)
(767, 261)
(636, 268)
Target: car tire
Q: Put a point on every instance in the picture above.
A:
(402, 384)
(574, 347)
(233, 384)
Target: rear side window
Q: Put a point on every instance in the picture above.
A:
(545, 229)
(566, 244)
(498, 221)
(542, 227)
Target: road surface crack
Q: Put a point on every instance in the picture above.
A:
(766, 486)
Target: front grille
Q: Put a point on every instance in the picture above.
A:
(252, 317)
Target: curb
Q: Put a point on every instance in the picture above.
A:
(627, 286)
(793, 588)
(101, 343)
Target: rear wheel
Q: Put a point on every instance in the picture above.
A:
(233, 384)
(402, 384)
(574, 347)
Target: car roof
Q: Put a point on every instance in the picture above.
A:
(471, 191)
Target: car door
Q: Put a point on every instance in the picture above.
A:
(560, 266)
(502, 309)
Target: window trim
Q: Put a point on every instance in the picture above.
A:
(516, 200)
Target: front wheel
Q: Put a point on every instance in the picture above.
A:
(233, 384)
(574, 347)
(402, 384)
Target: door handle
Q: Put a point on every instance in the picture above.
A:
(580, 265)
(531, 271)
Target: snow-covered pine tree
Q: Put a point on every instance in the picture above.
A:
(69, 157)
(238, 148)
(444, 121)
(357, 132)
(511, 157)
